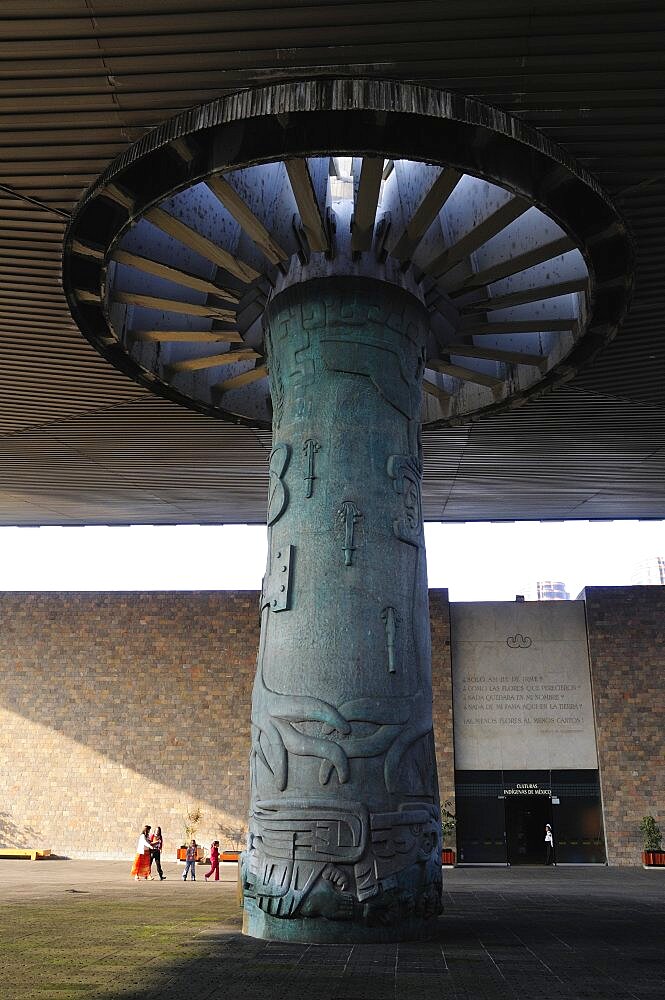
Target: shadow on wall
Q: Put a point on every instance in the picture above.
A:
(118, 709)
(12, 835)
(124, 708)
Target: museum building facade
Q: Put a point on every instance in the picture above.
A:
(118, 709)
(524, 733)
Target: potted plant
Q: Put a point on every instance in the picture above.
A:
(448, 824)
(192, 819)
(234, 833)
(653, 855)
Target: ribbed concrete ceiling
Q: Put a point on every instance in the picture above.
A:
(81, 79)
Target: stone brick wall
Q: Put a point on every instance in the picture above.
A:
(121, 709)
(626, 630)
(442, 692)
(118, 709)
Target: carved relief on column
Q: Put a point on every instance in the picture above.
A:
(405, 473)
(347, 515)
(344, 821)
(389, 616)
(278, 494)
(310, 448)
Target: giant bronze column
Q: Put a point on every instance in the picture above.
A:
(344, 839)
(304, 258)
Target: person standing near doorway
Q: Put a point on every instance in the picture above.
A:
(156, 847)
(549, 845)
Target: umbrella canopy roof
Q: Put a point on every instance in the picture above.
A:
(81, 82)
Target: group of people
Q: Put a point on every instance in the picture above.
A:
(190, 862)
(149, 849)
(150, 845)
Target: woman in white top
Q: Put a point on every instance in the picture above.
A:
(141, 866)
(549, 845)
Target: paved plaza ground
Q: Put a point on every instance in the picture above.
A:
(74, 929)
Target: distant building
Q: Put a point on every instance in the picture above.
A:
(650, 571)
(549, 590)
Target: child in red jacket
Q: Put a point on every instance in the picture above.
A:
(214, 861)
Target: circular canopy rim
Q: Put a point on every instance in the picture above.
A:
(293, 119)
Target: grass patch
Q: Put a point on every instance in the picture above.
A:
(96, 947)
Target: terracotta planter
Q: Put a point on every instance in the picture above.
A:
(653, 859)
(229, 856)
(448, 856)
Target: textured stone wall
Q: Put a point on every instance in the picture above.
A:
(121, 709)
(118, 709)
(626, 629)
(442, 692)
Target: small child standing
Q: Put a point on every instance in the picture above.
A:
(190, 862)
(214, 861)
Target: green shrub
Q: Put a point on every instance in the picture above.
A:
(448, 821)
(651, 834)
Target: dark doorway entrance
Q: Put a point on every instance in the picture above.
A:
(526, 817)
(501, 816)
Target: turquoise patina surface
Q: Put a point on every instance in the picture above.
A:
(344, 840)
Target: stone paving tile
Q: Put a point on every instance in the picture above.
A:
(506, 935)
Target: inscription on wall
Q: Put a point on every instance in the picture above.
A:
(517, 700)
(522, 693)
